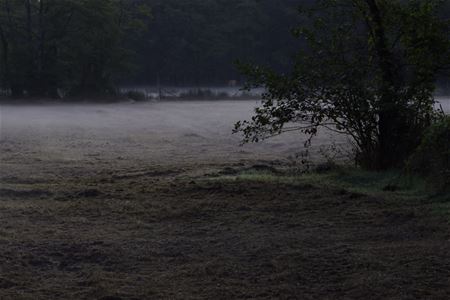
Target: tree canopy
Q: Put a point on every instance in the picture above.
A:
(89, 46)
(368, 71)
(76, 45)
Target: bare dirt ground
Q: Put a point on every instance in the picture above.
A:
(114, 202)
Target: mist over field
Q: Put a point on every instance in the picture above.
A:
(443, 102)
(50, 140)
(163, 133)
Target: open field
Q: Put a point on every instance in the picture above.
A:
(148, 201)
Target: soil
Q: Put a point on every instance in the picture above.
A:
(119, 202)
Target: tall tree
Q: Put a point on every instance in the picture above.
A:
(368, 71)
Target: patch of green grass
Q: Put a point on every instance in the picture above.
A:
(442, 209)
(389, 185)
(257, 176)
(394, 187)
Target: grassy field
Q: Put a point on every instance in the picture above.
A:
(159, 202)
(227, 234)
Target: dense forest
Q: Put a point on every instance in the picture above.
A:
(198, 41)
(53, 48)
(49, 48)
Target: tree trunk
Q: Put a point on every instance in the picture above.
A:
(5, 57)
(16, 90)
(30, 78)
(389, 153)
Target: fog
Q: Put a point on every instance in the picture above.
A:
(164, 133)
(63, 139)
(443, 102)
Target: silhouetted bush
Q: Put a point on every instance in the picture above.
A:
(432, 157)
(136, 95)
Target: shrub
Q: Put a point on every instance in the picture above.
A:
(136, 95)
(432, 158)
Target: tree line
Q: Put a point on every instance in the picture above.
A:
(198, 41)
(49, 47)
(86, 47)
(79, 47)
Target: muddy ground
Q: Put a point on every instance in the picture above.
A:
(128, 201)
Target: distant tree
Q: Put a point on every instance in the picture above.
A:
(77, 45)
(368, 71)
(101, 45)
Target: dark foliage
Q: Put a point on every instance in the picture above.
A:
(136, 95)
(193, 42)
(68, 47)
(368, 71)
(432, 157)
(51, 48)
